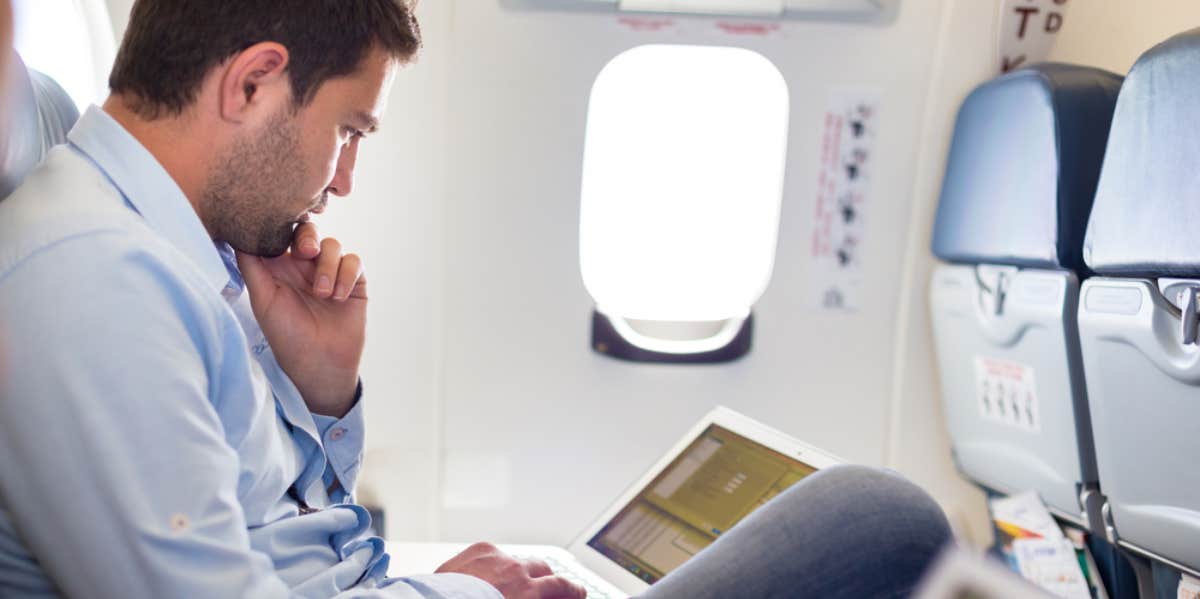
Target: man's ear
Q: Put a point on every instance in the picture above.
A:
(253, 80)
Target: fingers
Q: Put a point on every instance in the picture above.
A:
(523, 578)
(328, 261)
(537, 568)
(305, 241)
(557, 587)
(349, 274)
(338, 277)
(359, 291)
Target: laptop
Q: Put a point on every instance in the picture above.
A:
(721, 470)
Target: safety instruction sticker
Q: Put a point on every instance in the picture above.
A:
(843, 184)
(1007, 393)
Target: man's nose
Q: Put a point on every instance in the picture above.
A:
(343, 176)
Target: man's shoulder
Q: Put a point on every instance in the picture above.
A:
(65, 195)
(67, 201)
(67, 234)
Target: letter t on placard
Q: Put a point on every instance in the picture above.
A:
(1027, 31)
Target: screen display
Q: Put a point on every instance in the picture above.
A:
(719, 479)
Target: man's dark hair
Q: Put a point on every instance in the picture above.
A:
(170, 45)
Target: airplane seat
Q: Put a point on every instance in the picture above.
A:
(1022, 169)
(40, 115)
(1138, 318)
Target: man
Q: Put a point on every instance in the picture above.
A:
(176, 453)
(182, 414)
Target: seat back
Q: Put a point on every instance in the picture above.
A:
(1019, 182)
(41, 114)
(1138, 317)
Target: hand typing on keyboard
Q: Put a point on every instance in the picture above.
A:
(514, 578)
(565, 571)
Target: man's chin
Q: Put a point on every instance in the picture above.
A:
(271, 252)
(272, 246)
(276, 249)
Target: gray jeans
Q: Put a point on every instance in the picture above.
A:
(844, 532)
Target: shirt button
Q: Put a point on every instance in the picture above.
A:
(179, 522)
(337, 433)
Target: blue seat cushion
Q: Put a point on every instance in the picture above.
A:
(1146, 219)
(1023, 166)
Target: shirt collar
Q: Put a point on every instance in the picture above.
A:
(149, 189)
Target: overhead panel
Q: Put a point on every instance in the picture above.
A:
(773, 8)
(834, 10)
(838, 9)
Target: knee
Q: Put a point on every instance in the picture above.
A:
(883, 505)
(876, 505)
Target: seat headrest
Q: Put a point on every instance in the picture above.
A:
(1146, 219)
(41, 115)
(1023, 166)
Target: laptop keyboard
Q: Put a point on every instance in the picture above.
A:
(566, 572)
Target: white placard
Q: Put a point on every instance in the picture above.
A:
(843, 184)
(1052, 565)
(1006, 392)
(1027, 31)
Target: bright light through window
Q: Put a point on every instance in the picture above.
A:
(682, 182)
(69, 40)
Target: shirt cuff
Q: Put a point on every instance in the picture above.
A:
(343, 439)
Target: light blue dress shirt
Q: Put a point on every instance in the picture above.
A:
(150, 444)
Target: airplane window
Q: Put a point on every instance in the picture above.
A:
(682, 181)
(69, 40)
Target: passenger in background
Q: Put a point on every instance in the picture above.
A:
(35, 114)
(6, 33)
(7, 55)
(184, 417)
(6, 41)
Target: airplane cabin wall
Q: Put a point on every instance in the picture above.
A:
(1110, 35)
(118, 11)
(490, 416)
(538, 432)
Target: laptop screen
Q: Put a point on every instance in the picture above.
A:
(719, 479)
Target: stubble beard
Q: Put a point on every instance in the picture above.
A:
(248, 200)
